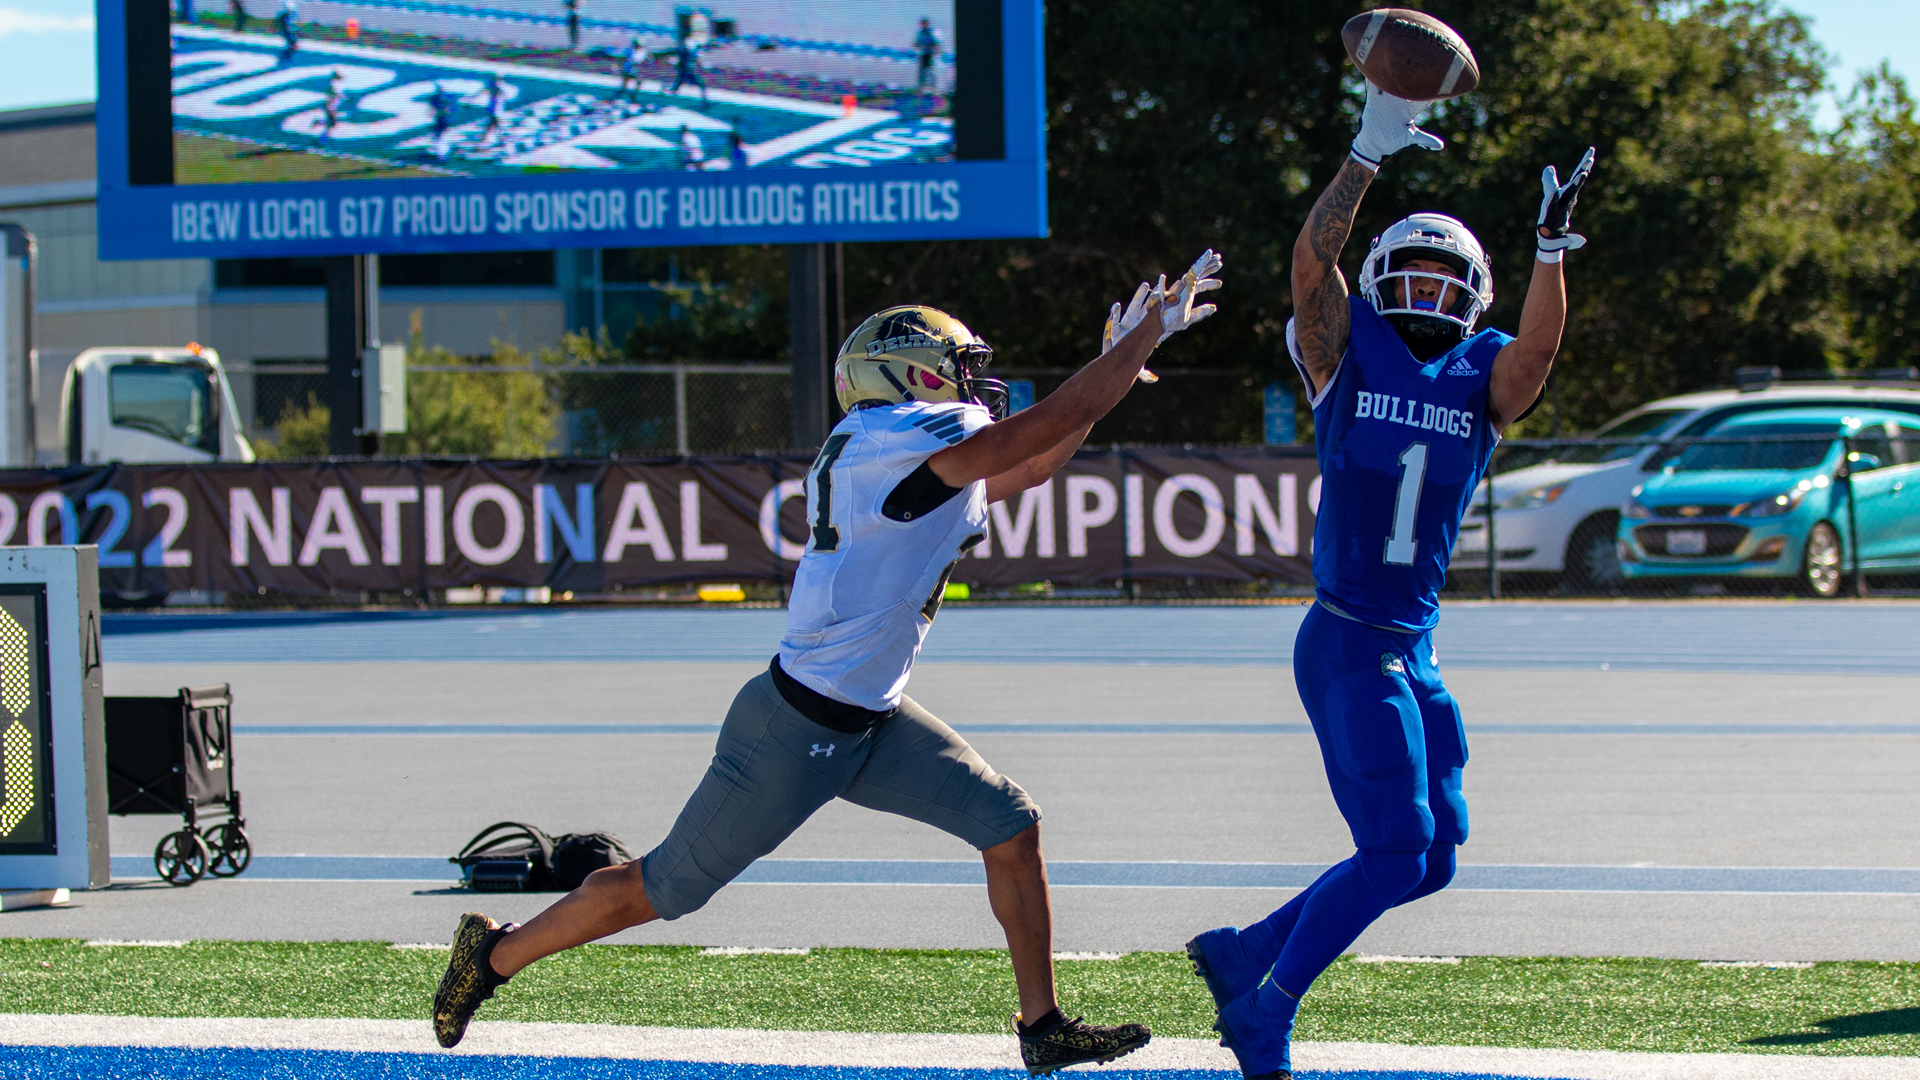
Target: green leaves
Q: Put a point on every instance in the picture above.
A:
(1726, 230)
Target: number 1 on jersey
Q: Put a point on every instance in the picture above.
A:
(825, 536)
(1406, 503)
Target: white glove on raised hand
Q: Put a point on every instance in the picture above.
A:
(1553, 238)
(1177, 311)
(1120, 322)
(1387, 127)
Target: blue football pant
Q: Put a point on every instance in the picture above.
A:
(1393, 747)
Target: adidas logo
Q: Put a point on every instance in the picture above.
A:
(1461, 367)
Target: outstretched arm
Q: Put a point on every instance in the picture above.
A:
(1520, 370)
(1320, 318)
(1023, 450)
(1014, 442)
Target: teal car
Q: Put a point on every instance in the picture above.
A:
(1792, 510)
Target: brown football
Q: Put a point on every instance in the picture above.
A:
(1410, 54)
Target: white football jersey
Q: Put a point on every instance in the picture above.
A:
(868, 586)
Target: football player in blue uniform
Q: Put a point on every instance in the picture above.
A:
(897, 496)
(1408, 404)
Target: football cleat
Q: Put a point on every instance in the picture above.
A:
(1073, 1042)
(1261, 1046)
(466, 983)
(1218, 959)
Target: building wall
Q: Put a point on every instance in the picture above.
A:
(47, 178)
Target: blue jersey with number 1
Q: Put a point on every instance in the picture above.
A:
(1402, 445)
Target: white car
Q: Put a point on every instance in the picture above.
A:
(1559, 516)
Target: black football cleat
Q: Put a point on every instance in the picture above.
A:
(469, 980)
(1062, 1042)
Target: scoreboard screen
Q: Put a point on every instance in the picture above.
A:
(281, 127)
(26, 735)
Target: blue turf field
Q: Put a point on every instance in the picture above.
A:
(1838, 638)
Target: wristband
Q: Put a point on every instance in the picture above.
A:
(1370, 166)
(1550, 256)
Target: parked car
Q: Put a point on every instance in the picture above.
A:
(1560, 516)
(1792, 509)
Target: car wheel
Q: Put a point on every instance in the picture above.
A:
(1593, 562)
(1820, 573)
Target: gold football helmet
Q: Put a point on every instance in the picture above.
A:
(915, 353)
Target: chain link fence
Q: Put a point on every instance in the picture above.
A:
(606, 410)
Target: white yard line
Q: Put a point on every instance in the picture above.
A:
(997, 1052)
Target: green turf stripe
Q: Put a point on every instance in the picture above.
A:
(1586, 1004)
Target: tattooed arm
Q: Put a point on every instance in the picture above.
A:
(1320, 314)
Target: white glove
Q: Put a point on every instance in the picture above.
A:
(1177, 311)
(1552, 238)
(1387, 126)
(1120, 322)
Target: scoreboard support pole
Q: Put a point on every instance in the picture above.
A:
(816, 306)
(349, 312)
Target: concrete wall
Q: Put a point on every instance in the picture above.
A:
(290, 324)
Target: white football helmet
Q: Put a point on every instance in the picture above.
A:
(1440, 238)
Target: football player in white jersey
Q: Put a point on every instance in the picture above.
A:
(896, 496)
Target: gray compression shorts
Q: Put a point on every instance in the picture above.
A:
(773, 768)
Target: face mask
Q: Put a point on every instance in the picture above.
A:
(1425, 338)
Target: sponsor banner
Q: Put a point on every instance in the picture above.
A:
(593, 525)
(927, 202)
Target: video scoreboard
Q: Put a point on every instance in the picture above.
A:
(305, 127)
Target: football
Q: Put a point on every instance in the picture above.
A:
(1410, 54)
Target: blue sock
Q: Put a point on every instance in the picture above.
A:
(1339, 907)
(1263, 940)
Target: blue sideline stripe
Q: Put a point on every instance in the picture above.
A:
(1897, 881)
(1043, 728)
(1839, 638)
(232, 1063)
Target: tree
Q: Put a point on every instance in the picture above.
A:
(1716, 212)
(503, 414)
(1726, 230)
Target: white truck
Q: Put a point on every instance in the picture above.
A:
(143, 404)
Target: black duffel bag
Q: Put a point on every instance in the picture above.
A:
(514, 856)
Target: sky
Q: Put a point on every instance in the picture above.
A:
(46, 46)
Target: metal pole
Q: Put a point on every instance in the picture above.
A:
(600, 297)
(810, 352)
(1493, 549)
(370, 286)
(836, 301)
(680, 406)
(23, 437)
(346, 329)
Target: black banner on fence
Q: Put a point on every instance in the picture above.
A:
(1238, 514)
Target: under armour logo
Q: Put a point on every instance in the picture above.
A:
(818, 750)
